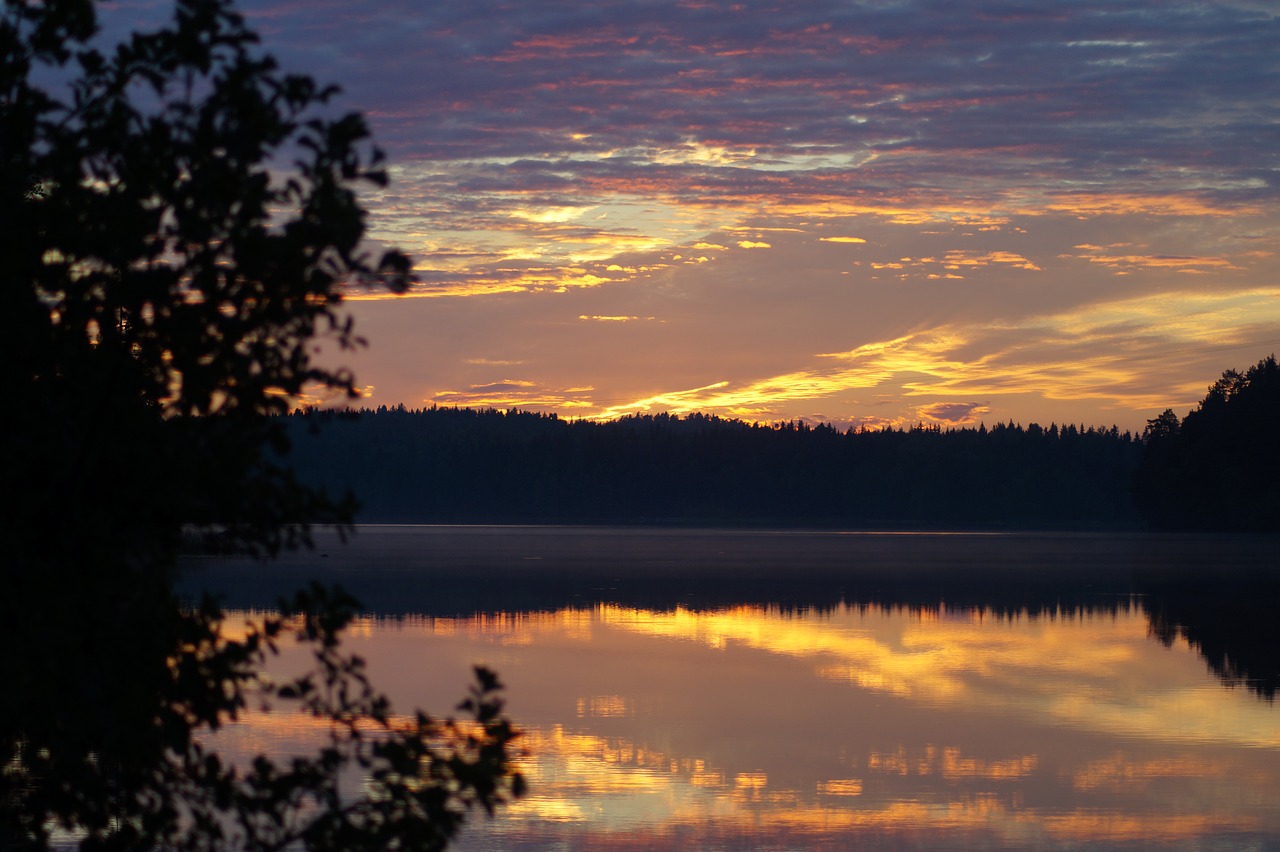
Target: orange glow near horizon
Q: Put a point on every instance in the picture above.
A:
(777, 188)
(920, 366)
(1113, 352)
(977, 308)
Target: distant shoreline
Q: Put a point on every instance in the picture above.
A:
(481, 467)
(450, 569)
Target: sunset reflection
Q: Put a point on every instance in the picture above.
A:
(1090, 672)
(944, 728)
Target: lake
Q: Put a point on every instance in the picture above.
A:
(712, 689)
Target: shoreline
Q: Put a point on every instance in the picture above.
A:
(445, 569)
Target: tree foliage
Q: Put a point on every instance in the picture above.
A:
(1219, 467)
(180, 218)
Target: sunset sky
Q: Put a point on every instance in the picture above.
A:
(863, 212)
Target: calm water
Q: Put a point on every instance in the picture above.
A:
(741, 690)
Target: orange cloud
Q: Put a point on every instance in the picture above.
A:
(1113, 204)
(1089, 353)
(598, 318)
(956, 259)
(1194, 264)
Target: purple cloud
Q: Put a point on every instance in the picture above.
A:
(1028, 94)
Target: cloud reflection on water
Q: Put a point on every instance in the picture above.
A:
(754, 728)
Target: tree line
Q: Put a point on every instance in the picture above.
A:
(1217, 468)
(450, 465)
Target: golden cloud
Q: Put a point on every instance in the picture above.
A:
(956, 259)
(1089, 353)
(1179, 263)
(600, 318)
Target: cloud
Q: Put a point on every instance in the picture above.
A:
(489, 362)
(319, 396)
(959, 259)
(507, 385)
(598, 318)
(954, 264)
(1090, 354)
(953, 413)
(514, 393)
(917, 111)
(1034, 195)
(1130, 262)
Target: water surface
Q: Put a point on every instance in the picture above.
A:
(743, 690)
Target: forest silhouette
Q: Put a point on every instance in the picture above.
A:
(1215, 470)
(1218, 468)
(445, 465)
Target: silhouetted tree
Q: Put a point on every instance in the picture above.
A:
(1162, 428)
(1219, 468)
(161, 287)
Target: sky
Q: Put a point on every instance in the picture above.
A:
(865, 212)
